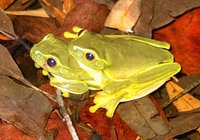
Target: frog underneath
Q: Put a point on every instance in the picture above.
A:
(123, 67)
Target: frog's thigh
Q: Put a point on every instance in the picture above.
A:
(116, 86)
(156, 73)
(149, 80)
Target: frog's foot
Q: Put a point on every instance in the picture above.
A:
(107, 101)
(78, 31)
(65, 94)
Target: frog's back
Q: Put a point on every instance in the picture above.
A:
(125, 56)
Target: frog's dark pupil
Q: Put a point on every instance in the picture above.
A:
(51, 62)
(89, 56)
(79, 33)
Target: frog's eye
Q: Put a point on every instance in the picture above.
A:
(51, 62)
(80, 32)
(89, 56)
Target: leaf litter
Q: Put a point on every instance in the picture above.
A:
(152, 13)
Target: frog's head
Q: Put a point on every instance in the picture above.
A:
(88, 48)
(51, 54)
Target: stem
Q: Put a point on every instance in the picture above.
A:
(66, 116)
(189, 88)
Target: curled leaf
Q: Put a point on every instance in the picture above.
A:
(6, 27)
(124, 15)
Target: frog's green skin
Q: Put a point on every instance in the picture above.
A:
(125, 67)
(67, 74)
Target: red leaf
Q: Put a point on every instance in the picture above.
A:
(183, 35)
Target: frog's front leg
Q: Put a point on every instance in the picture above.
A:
(69, 86)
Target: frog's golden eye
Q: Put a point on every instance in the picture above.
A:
(89, 56)
(51, 62)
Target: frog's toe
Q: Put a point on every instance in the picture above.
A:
(65, 94)
(107, 101)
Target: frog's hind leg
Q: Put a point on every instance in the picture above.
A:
(107, 101)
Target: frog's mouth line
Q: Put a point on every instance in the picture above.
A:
(50, 75)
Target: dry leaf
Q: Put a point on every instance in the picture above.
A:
(25, 108)
(186, 102)
(142, 116)
(3, 37)
(24, 1)
(88, 15)
(10, 132)
(108, 3)
(57, 13)
(8, 66)
(5, 3)
(157, 13)
(33, 28)
(68, 5)
(37, 13)
(181, 125)
(20, 4)
(6, 27)
(183, 35)
(188, 80)
(124, 15)
(108, 128)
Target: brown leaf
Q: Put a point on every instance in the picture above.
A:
(108, 128)
(68, 5)
(33, 28)
(24, 107)
(10, 132)
(6, 27)
(184, 39)
(3, 37)
(157, 13)
(5, 3)
(186, 102)
(142, 116)
(28, 109)
(88, 15)
(51, 10)
(37, 13)
(186, 81)
(55, 122)
(20, 4)
(7, 65)
(181, 125)
(124, 15)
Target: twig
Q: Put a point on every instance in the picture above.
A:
(175, 114)
(65, 115)
(189, 88)
(26, 46)
(26, 82)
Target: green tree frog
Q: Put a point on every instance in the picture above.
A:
(122, 67)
